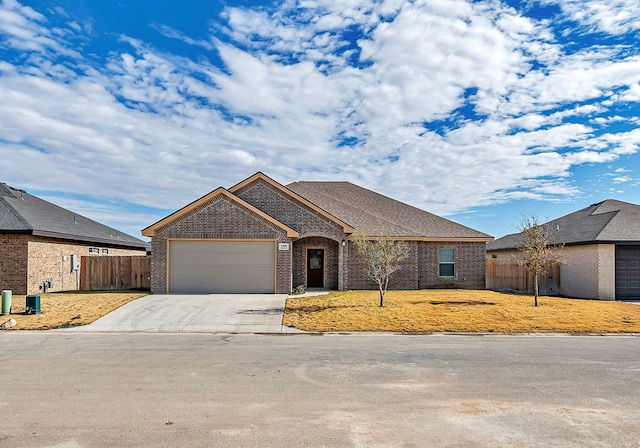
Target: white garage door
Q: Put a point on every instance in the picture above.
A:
(221, 266)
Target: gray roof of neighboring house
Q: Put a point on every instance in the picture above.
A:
(373, 213)
(609, 221)
(21, 212)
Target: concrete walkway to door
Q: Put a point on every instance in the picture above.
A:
(211, 313)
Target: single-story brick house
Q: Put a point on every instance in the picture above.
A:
(263, 237)
(41, 243)
(601, 247)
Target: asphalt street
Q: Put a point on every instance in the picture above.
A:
(71, 390)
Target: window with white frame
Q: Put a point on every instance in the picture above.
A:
(447, 262)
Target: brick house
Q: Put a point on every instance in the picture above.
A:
(601, 251)
(263, 237)
(41, 243)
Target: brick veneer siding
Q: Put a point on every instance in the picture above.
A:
(331, 253)
(588, 271)
(13, 263)
(311, 226)
(219, 219)
(470, 265)
(304, 220)
(45, 262)
(27, 261)
(420, 269)
(358, 271)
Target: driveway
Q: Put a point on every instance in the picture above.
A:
(211, 313)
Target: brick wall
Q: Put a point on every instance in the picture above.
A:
(579, 273)
(315, 229)
(219, 219)
(421, 268)
(470, 266)
(13, 263)
(406, 277)
(27, 261)
(294, 214)
(607, 271)
(46, 262)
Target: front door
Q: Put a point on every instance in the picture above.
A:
(315, 268)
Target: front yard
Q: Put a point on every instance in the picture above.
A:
(458, 311)
(69, 309)
(404, 311)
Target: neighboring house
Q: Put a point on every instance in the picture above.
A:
(41, 243)
(262, 237)
(602, 250)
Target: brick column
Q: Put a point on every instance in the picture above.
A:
(341, 264)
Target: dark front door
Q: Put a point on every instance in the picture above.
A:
(315, 268)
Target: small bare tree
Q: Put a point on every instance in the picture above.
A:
(383, 256)
(539, 255)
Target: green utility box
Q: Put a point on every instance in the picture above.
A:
(6, 302)
(33, 305)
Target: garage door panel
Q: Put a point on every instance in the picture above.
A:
(221, 267)
(627, 272)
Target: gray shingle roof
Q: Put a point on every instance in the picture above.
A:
(609, 221)
(372, 213)
(21, 212)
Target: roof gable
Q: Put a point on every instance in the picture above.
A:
(21, 212)
(261, 176)
(373, 213)
(152, 229)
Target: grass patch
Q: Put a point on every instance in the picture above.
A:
(69, 309)
(428, 311)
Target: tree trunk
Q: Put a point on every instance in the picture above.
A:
(535, 288)
(381, 297)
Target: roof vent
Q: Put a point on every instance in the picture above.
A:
(74, 219)
(557, 227)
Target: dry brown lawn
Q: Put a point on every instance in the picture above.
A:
(68, 309)
(404, 311)
(458, 311)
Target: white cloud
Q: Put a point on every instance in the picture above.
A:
(609, 16)
(24, 29)
(158, 129)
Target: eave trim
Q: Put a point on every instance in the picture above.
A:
(220, 191)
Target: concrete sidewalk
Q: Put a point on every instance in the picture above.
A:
(211, 313)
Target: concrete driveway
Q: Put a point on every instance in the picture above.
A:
(211, 313)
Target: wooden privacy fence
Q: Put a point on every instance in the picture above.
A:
(114, 272)
(504, 274)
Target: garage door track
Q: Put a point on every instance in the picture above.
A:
(210, 313)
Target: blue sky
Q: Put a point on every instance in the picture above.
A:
(478, 111)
